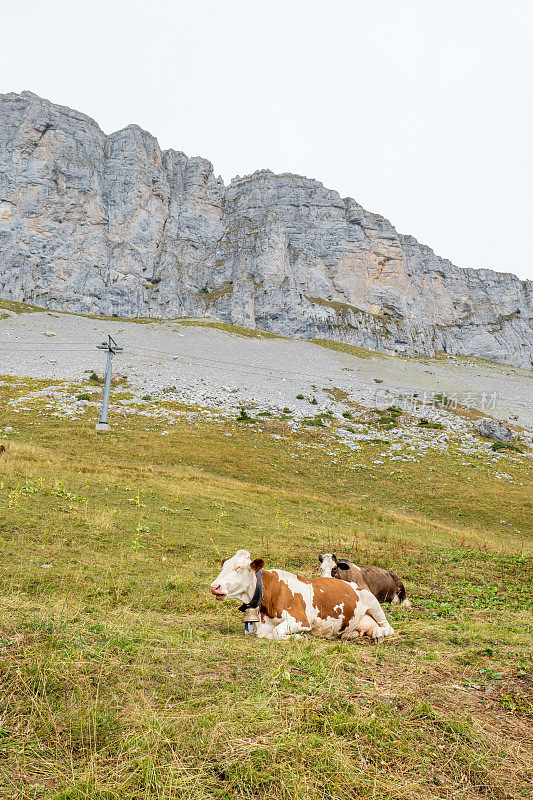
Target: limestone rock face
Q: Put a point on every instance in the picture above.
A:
(112, 225)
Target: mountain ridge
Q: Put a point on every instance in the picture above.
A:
(112, 224)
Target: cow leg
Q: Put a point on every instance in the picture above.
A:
(264, 629)
(367, 613)
(289, 627)
(360, 625)
(375, 611)
(398, 602)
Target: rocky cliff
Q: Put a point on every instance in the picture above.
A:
(113, 225)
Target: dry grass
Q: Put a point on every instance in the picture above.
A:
(344, 347)
(121, 679)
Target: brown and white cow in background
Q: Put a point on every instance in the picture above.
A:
(386, 586)
(292, 605)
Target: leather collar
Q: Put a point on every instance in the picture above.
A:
(255, 602)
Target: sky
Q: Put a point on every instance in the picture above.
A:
(422, 111)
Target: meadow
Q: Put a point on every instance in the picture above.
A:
(122, 678)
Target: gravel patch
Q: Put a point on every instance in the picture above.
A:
(212, 368)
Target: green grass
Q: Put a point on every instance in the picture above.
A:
(343, 347)
(497, 446)
(19, 308)
(244, 416)
(224, 326)
(425, 423)
(122, 678)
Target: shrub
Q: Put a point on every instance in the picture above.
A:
(314, 401)
(425, 423)
(83, 397)
(300, 397)
(505, 446)
(316, 422)
(146, 397)
(93, 377)
(244, 417)
(287, 410)
(347, 415)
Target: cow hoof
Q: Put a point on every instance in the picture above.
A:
(379, 633)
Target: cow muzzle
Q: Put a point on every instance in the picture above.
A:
(217, 592)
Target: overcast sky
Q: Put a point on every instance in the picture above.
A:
(420, 110)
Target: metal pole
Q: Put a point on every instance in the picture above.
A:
(107, 388)
(112, 348)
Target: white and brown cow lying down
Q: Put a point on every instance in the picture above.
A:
(387, 587)
(292, 605)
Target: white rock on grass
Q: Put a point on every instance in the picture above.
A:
(492, 429)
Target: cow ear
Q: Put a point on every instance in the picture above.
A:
(342, 565)
(321, 558)
(223, 562)
(257, 564)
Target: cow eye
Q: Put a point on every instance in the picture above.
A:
(238, 569)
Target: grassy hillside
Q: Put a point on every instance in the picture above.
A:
(121, 677)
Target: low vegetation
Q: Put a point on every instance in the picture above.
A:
(123, 679)
(19, 308)
(497, 446)
(344, 347)
(244, 416)
(425, 423)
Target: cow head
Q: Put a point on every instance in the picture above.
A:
(237, 577)
(330, 565)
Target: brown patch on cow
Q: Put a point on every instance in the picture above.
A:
(278, 598)
(383, 585)
(328, 593)
(353, 574)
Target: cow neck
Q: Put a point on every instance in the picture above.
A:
(257, 596)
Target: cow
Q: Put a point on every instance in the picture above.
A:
(386, 586)
(288, 604)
